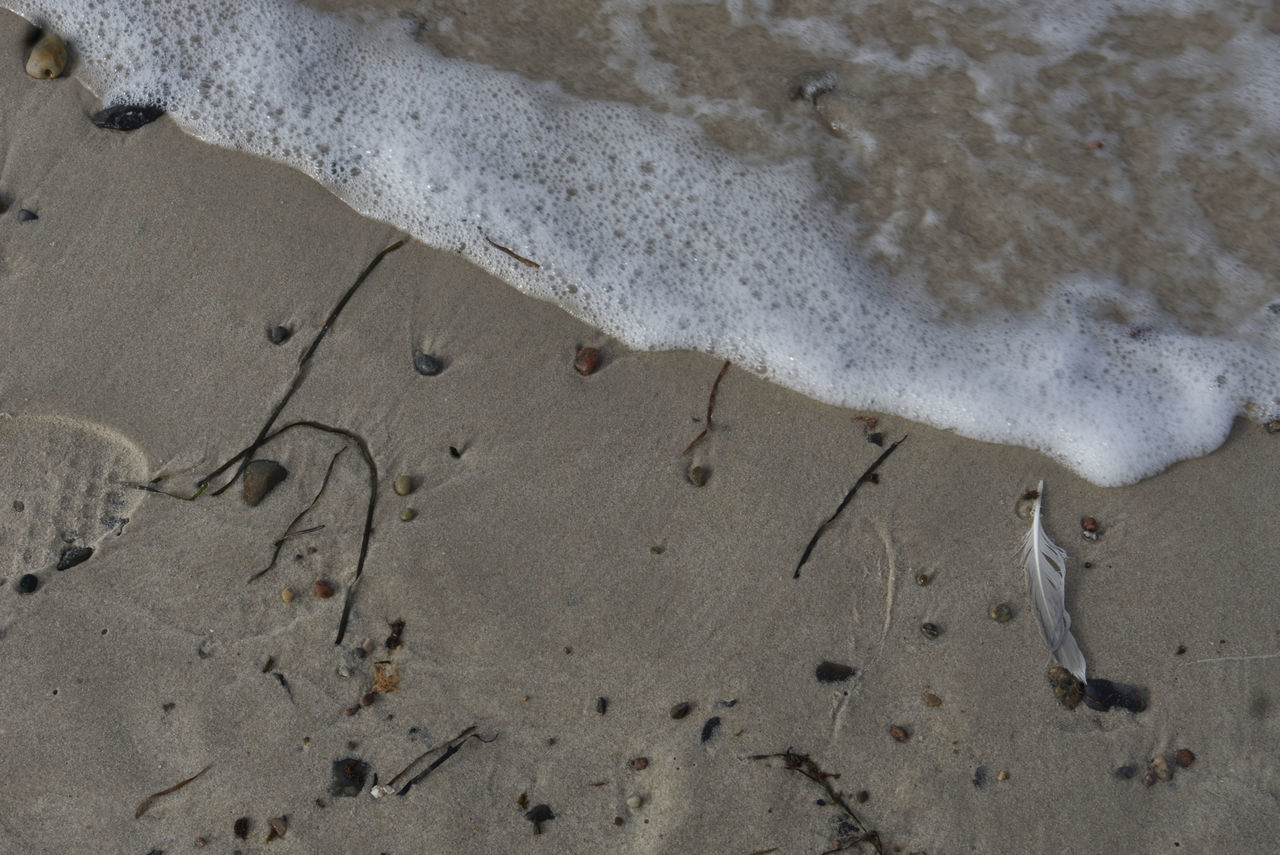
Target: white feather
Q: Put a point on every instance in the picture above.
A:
(1046, 566)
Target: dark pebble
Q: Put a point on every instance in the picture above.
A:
(709, 729)
(930, 630)
(1102, 695)
(681, 710)
(426, 364)
(638, 764)
(539, 814)
(278, 335)
(127, 117)
(241, 827)
(349, 774)
(587, 360)
(832, 672)
(19, 505)
(923, 579)
(322, 589)
(979, 777)
(260, 478)
(73, 555)
(367, 699)
(602, 705)
(28, 583)
(1124, 773)
(900, 733)
(1185, 757)
(862, 797)
(27, 216)
(1066, 688)
(698, 476)
(875, 438)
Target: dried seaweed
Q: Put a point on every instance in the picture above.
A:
(289, 532)
(801, 763)
(145, 804)
(520, 258)
(865, 477)
(711, 405)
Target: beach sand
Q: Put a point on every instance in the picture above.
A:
(559, 555)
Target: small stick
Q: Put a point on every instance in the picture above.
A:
(866, 476)
(146, 803)
(450, 748)
(801, 763)
(711, 405)
(515, 255)
(289, 532)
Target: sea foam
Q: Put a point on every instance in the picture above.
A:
(643, 225)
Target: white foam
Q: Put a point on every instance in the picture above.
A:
(644, 228)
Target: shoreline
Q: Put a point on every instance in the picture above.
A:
(562, 557)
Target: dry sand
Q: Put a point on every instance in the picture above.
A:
(564, 557)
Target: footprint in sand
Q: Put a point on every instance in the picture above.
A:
(63, 485)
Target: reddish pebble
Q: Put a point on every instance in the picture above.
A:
(323, 589)
(279, 825)
(1185, 757)
(639, 764)
(351, 710)
(587, 360)
(1089, 524)
(367, 699)
(899, 733)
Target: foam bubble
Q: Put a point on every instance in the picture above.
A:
(647, 229)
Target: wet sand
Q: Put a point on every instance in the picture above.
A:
(562, 556)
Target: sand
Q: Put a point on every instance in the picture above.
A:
(561, 557)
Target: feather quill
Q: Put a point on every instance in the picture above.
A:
(1046, 566)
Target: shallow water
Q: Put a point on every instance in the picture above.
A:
(1029, 227)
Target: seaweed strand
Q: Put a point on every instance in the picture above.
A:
(289, 532)
(711, 405)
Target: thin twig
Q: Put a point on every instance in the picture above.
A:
(449, 748)
(289, 532)
(866, 476)
(711, 405)
(146, 803)
(513, 254)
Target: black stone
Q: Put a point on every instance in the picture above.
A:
(709, 729)
(832, 672)
(426, 364)
(27, 216)
(349, 775)
(1102, 695)
(1126, 772)
(28, 583)
(876, 438)
(279, 335)
(602, 705)
(73, 555)
(539, 813)
(127, 117)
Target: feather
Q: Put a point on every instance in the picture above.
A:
(1046, 566)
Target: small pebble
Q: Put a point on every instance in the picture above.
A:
(1185, 757)
(862, 797)
(367, 699)
(28, 583)
(1089, 524)
(681, 710)
(1001, 613)
(1002, 775)
(979, 777)
(587, 360)
(709, 729)
(932, 700)
(923, 579)
(634, 802)
(1149, 778)
(900, 733)
(1124, 773)
(381, 790)
(539, 814)
(368, 645)
(698, 476)
(241, 827)
(127, 117)
(602, 704)
(407, 514)
(48, 57)
(930, 630)
(832, 672)
(323, 589)
(403, 485)
(287, 595)
(426, 364)
(1161, 768)
(260, 478)
(1066, 688)
(279, 825)
(73, 555)
(278, 335)
(639, 764)
(27, 216)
